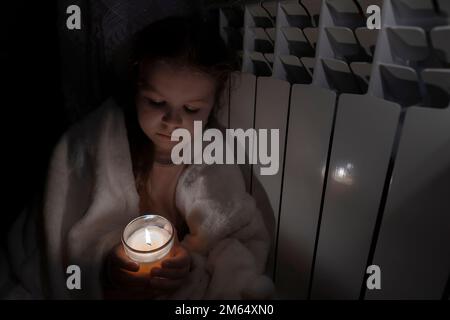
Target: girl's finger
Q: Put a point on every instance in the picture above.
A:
(130, 280)
(179, 260)
(121, 260)
(170, 273)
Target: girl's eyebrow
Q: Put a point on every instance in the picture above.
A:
(148, 87)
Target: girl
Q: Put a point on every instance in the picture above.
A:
(116, 165)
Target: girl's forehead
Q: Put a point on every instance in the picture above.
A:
(167, 67)
(161, 76)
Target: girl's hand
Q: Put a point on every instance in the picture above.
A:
(123, 276)
(173, 272)
(128, 283)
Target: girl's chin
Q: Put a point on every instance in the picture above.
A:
(164, 148)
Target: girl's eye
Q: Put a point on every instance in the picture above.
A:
(155, 103)
(190, 109)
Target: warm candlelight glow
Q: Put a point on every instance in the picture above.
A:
(148, 240)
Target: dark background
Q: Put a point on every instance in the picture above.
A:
(32, 102)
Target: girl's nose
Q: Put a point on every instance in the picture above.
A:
(172, 117)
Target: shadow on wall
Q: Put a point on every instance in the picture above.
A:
(95, 59)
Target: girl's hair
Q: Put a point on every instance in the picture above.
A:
(183, 41)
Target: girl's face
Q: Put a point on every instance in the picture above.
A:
(171, 97)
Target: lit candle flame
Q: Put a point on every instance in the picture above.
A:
(148, 239)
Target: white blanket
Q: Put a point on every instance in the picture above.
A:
(90, 196)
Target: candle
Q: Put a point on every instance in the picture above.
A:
(148, 240)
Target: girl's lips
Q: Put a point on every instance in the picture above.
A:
(165, 136)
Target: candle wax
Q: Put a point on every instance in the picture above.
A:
(146, 239)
